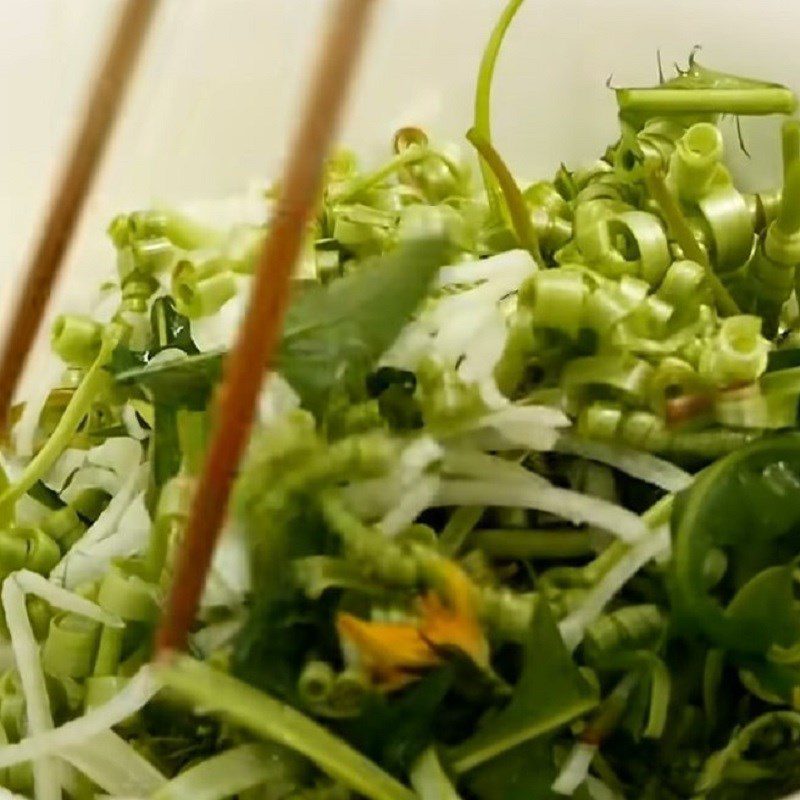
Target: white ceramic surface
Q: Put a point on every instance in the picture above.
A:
(212, 104)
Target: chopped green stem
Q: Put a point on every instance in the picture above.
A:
(109, 650)
(517, 209)
(534, 542)
(217, 693)
(742, 102)
(682, 233)
(483, 96)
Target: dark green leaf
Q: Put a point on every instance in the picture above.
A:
(767, 602)
(169, 328)
(186, 382)
(183, 382)
(336, 332)
(748, 505)
(525, 772)
(551, 691)
(394, 731)
(333, 333)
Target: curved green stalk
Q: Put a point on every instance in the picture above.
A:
(77, 409)
(515, 202)
(483, 97)
(218, 693)
(411, 155)
(680, 230)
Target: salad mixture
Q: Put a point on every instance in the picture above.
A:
(520, 518)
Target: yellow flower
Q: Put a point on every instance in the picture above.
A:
(454, 624)
(394, 653)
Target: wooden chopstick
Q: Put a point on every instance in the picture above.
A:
(101, 111)
(260, 331)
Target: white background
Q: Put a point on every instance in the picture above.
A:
(212, 105)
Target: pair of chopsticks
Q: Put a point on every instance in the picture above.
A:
(261, 328)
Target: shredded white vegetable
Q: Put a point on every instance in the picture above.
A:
(575, 769)
(120, 455)
(483, 351)
(644, 466)
(73, 569)
(573, 506)
(47, 785)
(465, 463)
(228, 580)
(68, 463)
(218, 331)
(413, 503)
(511, 268)
(544, 416)
(573, 627)
(429, 780)
(33, 583)
(91, 477)
(132, 423)
(228, 774)
(137, 694)
(114, 765)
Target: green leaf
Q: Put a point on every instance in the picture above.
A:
(767, 603)
(551, 691)
(395, 731)
(182, 382)
(748, 505)
(337, 332)
(333, 333)
(525, 772)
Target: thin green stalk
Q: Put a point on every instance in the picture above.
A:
(742, 102)
(525, 543)
(790, 143)
(77, 409)
(458, 528)
(411, 155)
(483, 96)
(682, 233)
(517, 208)
(267, 718)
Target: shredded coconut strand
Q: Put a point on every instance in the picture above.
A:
(573, 627)
(139, 691)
